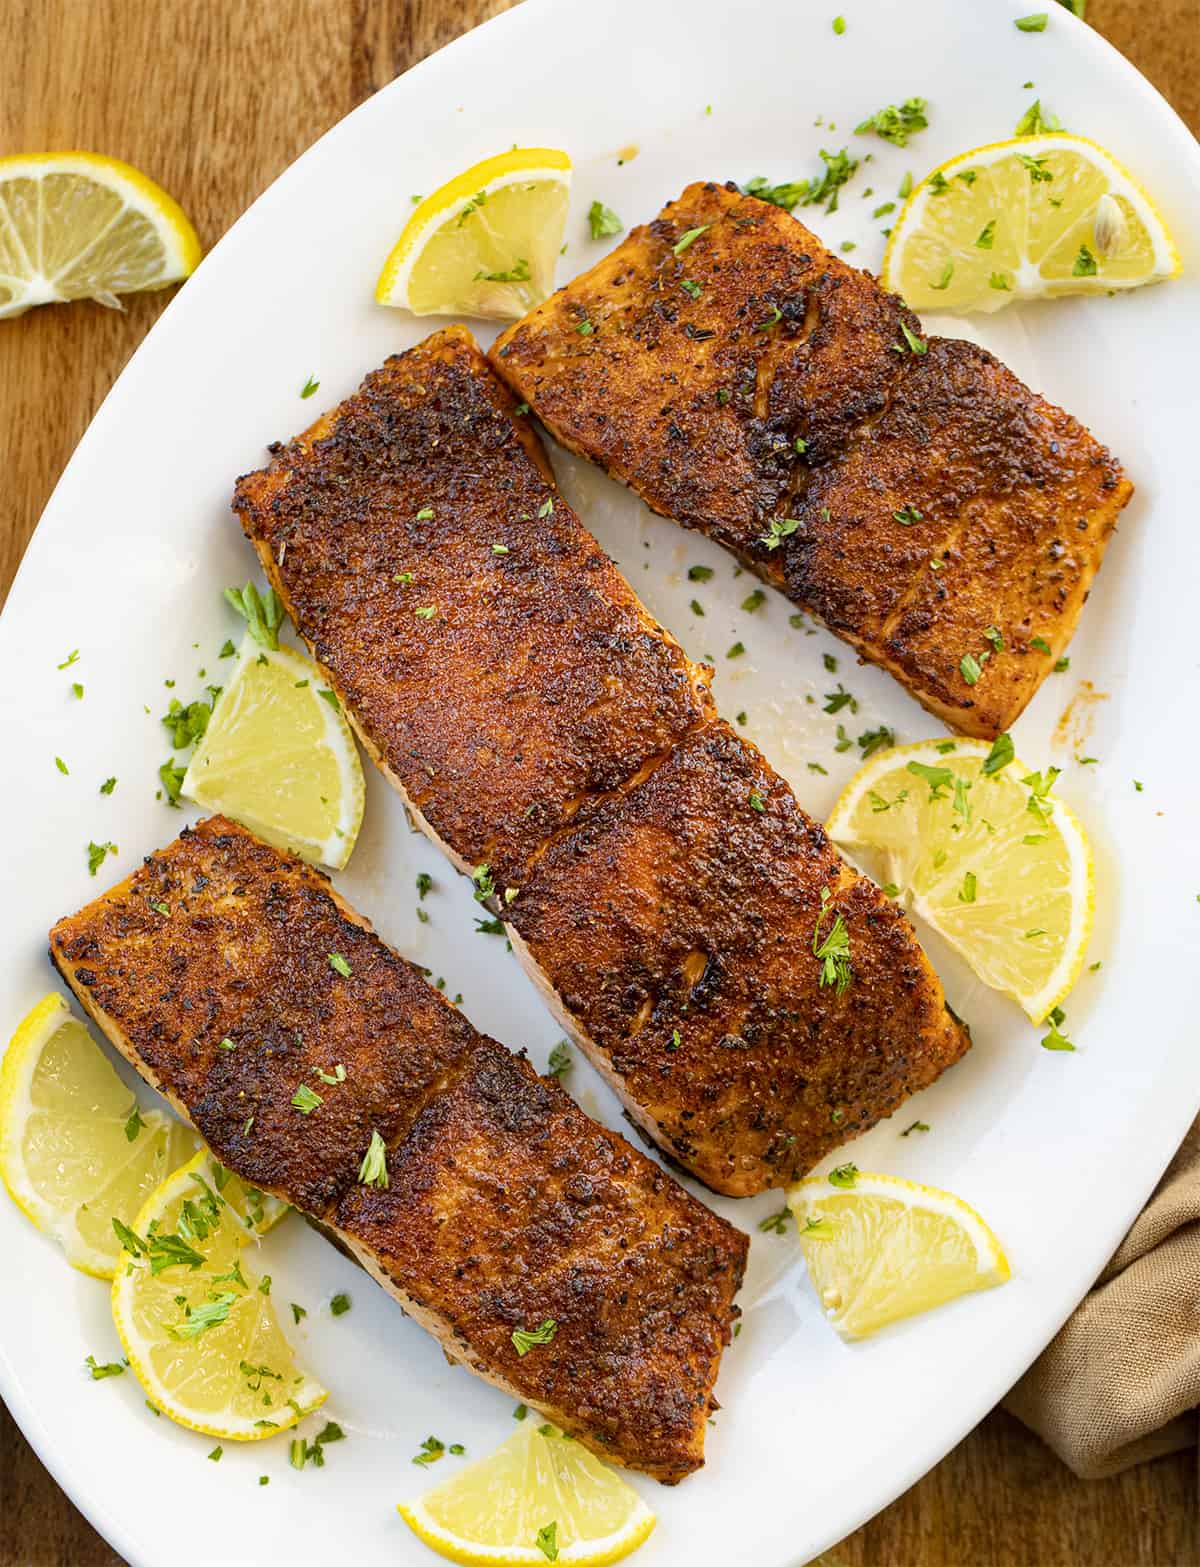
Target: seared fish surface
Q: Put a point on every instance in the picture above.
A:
(659, 880)
(506, 1207)
(910, 492)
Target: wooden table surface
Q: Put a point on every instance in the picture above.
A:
(214, 98)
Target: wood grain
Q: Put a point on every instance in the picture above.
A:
(214, 98)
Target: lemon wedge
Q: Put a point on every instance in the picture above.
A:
(75, 1150)
(985, 853)
(1029, 218)
(486, 242)
(879, 1248)
(539, 1497)
(278, 756)
(197, 1326)
(74, 225)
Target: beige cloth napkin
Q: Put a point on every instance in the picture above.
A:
(1121, 1381)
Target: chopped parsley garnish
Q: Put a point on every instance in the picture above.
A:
(946, 274)
(771, 320)
(833, 950)
(298, 1313)
(736, 650)
(108, 786)
(373, 1170)
(754, 601)
(971, 668)
(1055, 1039)
(339, 965)
(873, 740)
(339, 1305)
(603, 221)
(897, 122)
(1084, 264)
(917, 1126)
(199, 1319)
(215, 1456)
(1034, 122)
(585, 328)
(62, 766)
(306, 1099)
(114, 1368)
(1061, 665)
(426, 611)
(97, 853)
(787, 195)
(263, 613)
(839, 25)
(1036, 166)
(938, 778)
(309, 387)
(968, 889)
(757, 802)
(907, 516)
(999, 756)
(431, 1450)
(686, 241)
(71, 658)
(775, 1223)
(699, 573)
(1001, 281)
(987, 236)
(844, 1176)
(1041, 644)
(839, 168)
(547, 1541)
(690, 287)
(485, 887)
(133, 1126)
(836, 700)
(518, 273)
(778, 529)
(560, 1060)
(1036, 23)
(489, 927)
(525, 1338)
(916, 345)
(1040, 785)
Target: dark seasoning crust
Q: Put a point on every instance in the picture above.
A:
(506, 1204)
(542, 724)
(1006, 503)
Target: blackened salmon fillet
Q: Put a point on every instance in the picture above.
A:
(659, 880)
(212, 970)
(906, 490)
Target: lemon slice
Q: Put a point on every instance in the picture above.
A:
(197, 1325)
(539, 1497)
(75, 1151)
(485, 243)
(986, 854)
(74, 225)
(879, 1248)
(278, 756)
(1026, 219)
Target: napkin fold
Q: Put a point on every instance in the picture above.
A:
(1121, 1381)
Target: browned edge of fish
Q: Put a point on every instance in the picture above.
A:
(945, 521)
(505, 1206)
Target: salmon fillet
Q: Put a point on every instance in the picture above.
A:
(506, 1205)
(660, 883)
(909, 492)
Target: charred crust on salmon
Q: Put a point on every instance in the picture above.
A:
(930, 496)
(557, 743)
(506, 1205)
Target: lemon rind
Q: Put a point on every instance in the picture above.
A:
(311, 1394)
(1125, 184)
(491, 174)
(335, 850)
(1065, 976)
(933, 1199)
(181, 245)
(611, 1548)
